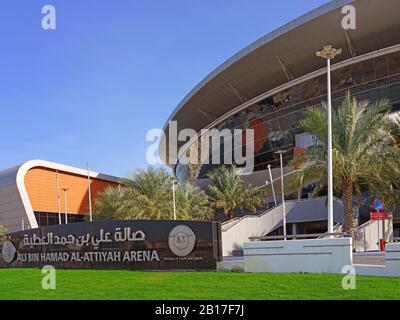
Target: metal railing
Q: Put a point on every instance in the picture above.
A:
(230, 223)
(298, 236)
(337, 228)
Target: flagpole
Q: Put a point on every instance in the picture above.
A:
(90, 194)
(58, 198)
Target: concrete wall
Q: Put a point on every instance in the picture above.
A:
(392, 264)
(311, 256)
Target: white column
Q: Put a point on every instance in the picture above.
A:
(283, 199)
(90, 195)
(58, 198)
(66, 207)
(330, 169)
(294, 229)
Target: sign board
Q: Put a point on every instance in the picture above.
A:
(378, 204)
(379, 215)
(138, 245)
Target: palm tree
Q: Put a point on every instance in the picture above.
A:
(395, 132)
(3, 232)
(360, 140)
(192, 203)
(150, 193)
(388, 186)
(147, 194)
(229, 192)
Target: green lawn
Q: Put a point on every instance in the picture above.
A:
(94, 284)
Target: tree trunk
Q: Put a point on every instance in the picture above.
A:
(215, 215)
(230, 214)
(348, 208)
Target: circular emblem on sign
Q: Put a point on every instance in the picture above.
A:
(8, 252)
(182, 240)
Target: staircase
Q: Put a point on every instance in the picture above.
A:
(237, 231)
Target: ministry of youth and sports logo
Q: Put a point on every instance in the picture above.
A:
(182, 240)
(8, 252)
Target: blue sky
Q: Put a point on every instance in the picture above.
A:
(112, 70)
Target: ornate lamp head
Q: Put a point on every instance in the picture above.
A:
(328, 52)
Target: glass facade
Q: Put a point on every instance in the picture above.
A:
(51, 218)
(275, 120)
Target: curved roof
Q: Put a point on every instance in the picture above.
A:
(286, 54)
(15, 205)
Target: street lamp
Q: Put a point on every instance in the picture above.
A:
(272, 184)
(89, 193)
(65, 203)
(328, 53)
(58, 198)
(281, 153)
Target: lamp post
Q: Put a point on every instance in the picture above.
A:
(90, 194)
(329, 53)
(281, 153)
(65, 204)
(58, 198)
(272, 184)
(173, 198)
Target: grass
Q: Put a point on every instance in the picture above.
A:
(96, 284)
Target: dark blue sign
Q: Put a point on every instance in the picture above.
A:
(133, 244)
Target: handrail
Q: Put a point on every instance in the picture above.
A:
(366, 224)
(267, 184)
(334, 228)
(230, 223)
(297, 236)
(238, 219)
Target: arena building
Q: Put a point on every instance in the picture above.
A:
(39, 193)
(268, 85)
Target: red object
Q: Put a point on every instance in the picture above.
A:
(379, 215)
(382, 244)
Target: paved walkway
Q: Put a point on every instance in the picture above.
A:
(369, 258)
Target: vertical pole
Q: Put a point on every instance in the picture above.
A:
(379, 247)
(90, 194)
(330, 170)
(378, 223)
(272, 184)
(58, 198)
(23, 225)
(283, 199)
(173, 197)
(66, 208)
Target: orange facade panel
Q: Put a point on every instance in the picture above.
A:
(41, 185)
